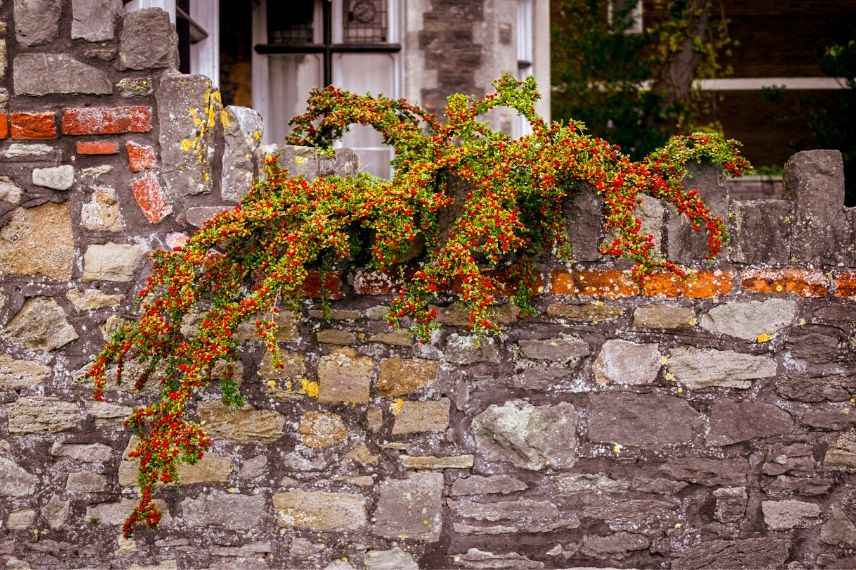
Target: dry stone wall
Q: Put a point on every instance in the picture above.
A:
(705, 423)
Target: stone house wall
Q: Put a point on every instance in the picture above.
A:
(699, 424)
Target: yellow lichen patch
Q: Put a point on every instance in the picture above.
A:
(763, 337)
(396, 406)
(187, 144)
(309, 388)
(616, 448)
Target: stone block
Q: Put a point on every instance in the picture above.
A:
(762, 552)
(198, 216)
(10, 192)
(814, 181)
(710, 472)
(57, 74)
(403, 376)
(231, 511)
(481, 485)
(20, 374)
(645, 420)
(554, 349)
(148, 41)
(435, 462)
(624, 362)
(733, 421)
(38, 414)
(94, 20)
(343, 162)
(683, 244)
(41, 324)
(667, 317)
(83, 452)
(730, 504)
(320, 511)
(336, 336)
(55, 178)
(585, 312)
(468, 349)
(56, 512)
(393, 559)
(698, 368)
(410, 508)
(788, 514)
(839, 530)
(584, 219)
(319, 429)
(102, 212)
(422, 416)
(114, 514)
(618, 545)
(750, 319)
(111, 262)
(243, 425)
(345, 377)
(183, 107)
(15, 481)
(20, 520)
(36, 21)
(762, 231)
(530, 437)
(842, 453)
(85, 482)
(242, 133)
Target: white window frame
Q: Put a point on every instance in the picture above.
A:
(205, 55)
(524, 45)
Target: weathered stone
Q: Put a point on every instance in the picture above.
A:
(410, 508)
(711, 472)
(750, 319)
(114, 514)
(842, 453)
(9, 191)
(38, 242)
(94, 20)
(783, 515)
(530, 437)
(624, 362)
(837, 417)
(814, 181)
(757, 553)
(56, 178)
(36, 21)
(734, 421)
(320, 511)
(20, 520)
(336, 336)
(434, 462)
(135, 86)
(521, 515)
(242, 132)
(556, 349)
(422, 416)
(15, 481)
(230, 511)
(148, 41)
(702, 368)
(183, 102)
(785, 485)
(814, 390)
(92, 299)
(345, 377)
(41, 325)
(467, 349)
(401, 377)
(85, 482)
(319, 429)
(242, 425)
(83, 452)
(730, 504)
(588, 482)
(57, 74)
(585, 312)
(584, 224)
(154, 201)
(293, 366)
(56, 512)
(253, 467)
(495, 484)
(641, 419)
(343, 162)
(18, 374)
(618, 545)
(286, 327)
(107, 414)
(632, 515)
(35, 414)
(198, 216)
(838, 530)
(394, 559)
(480, 559)
(685, 245)
(762, 231)
(458, 315)
(396, 338)
(111, 262)
(102, 212)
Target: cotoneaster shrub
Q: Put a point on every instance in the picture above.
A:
(465, 204)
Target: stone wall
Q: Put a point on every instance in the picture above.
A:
(707, 423)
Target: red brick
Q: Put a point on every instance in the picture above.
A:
(107, 120)
(34, 126)
(97, 147)
(845, 284)
(609, 283)
(4, 126)
(332, 285)
(699, 285)
(151, 197)
(140, 156)
(785, 282)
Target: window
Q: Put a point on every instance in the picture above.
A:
(306, 44)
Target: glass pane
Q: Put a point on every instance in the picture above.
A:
(365, 21)
(367, 73)
(291, 79)
(291, 22)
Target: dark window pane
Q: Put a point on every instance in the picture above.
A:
(365, 21)
(290, 22)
